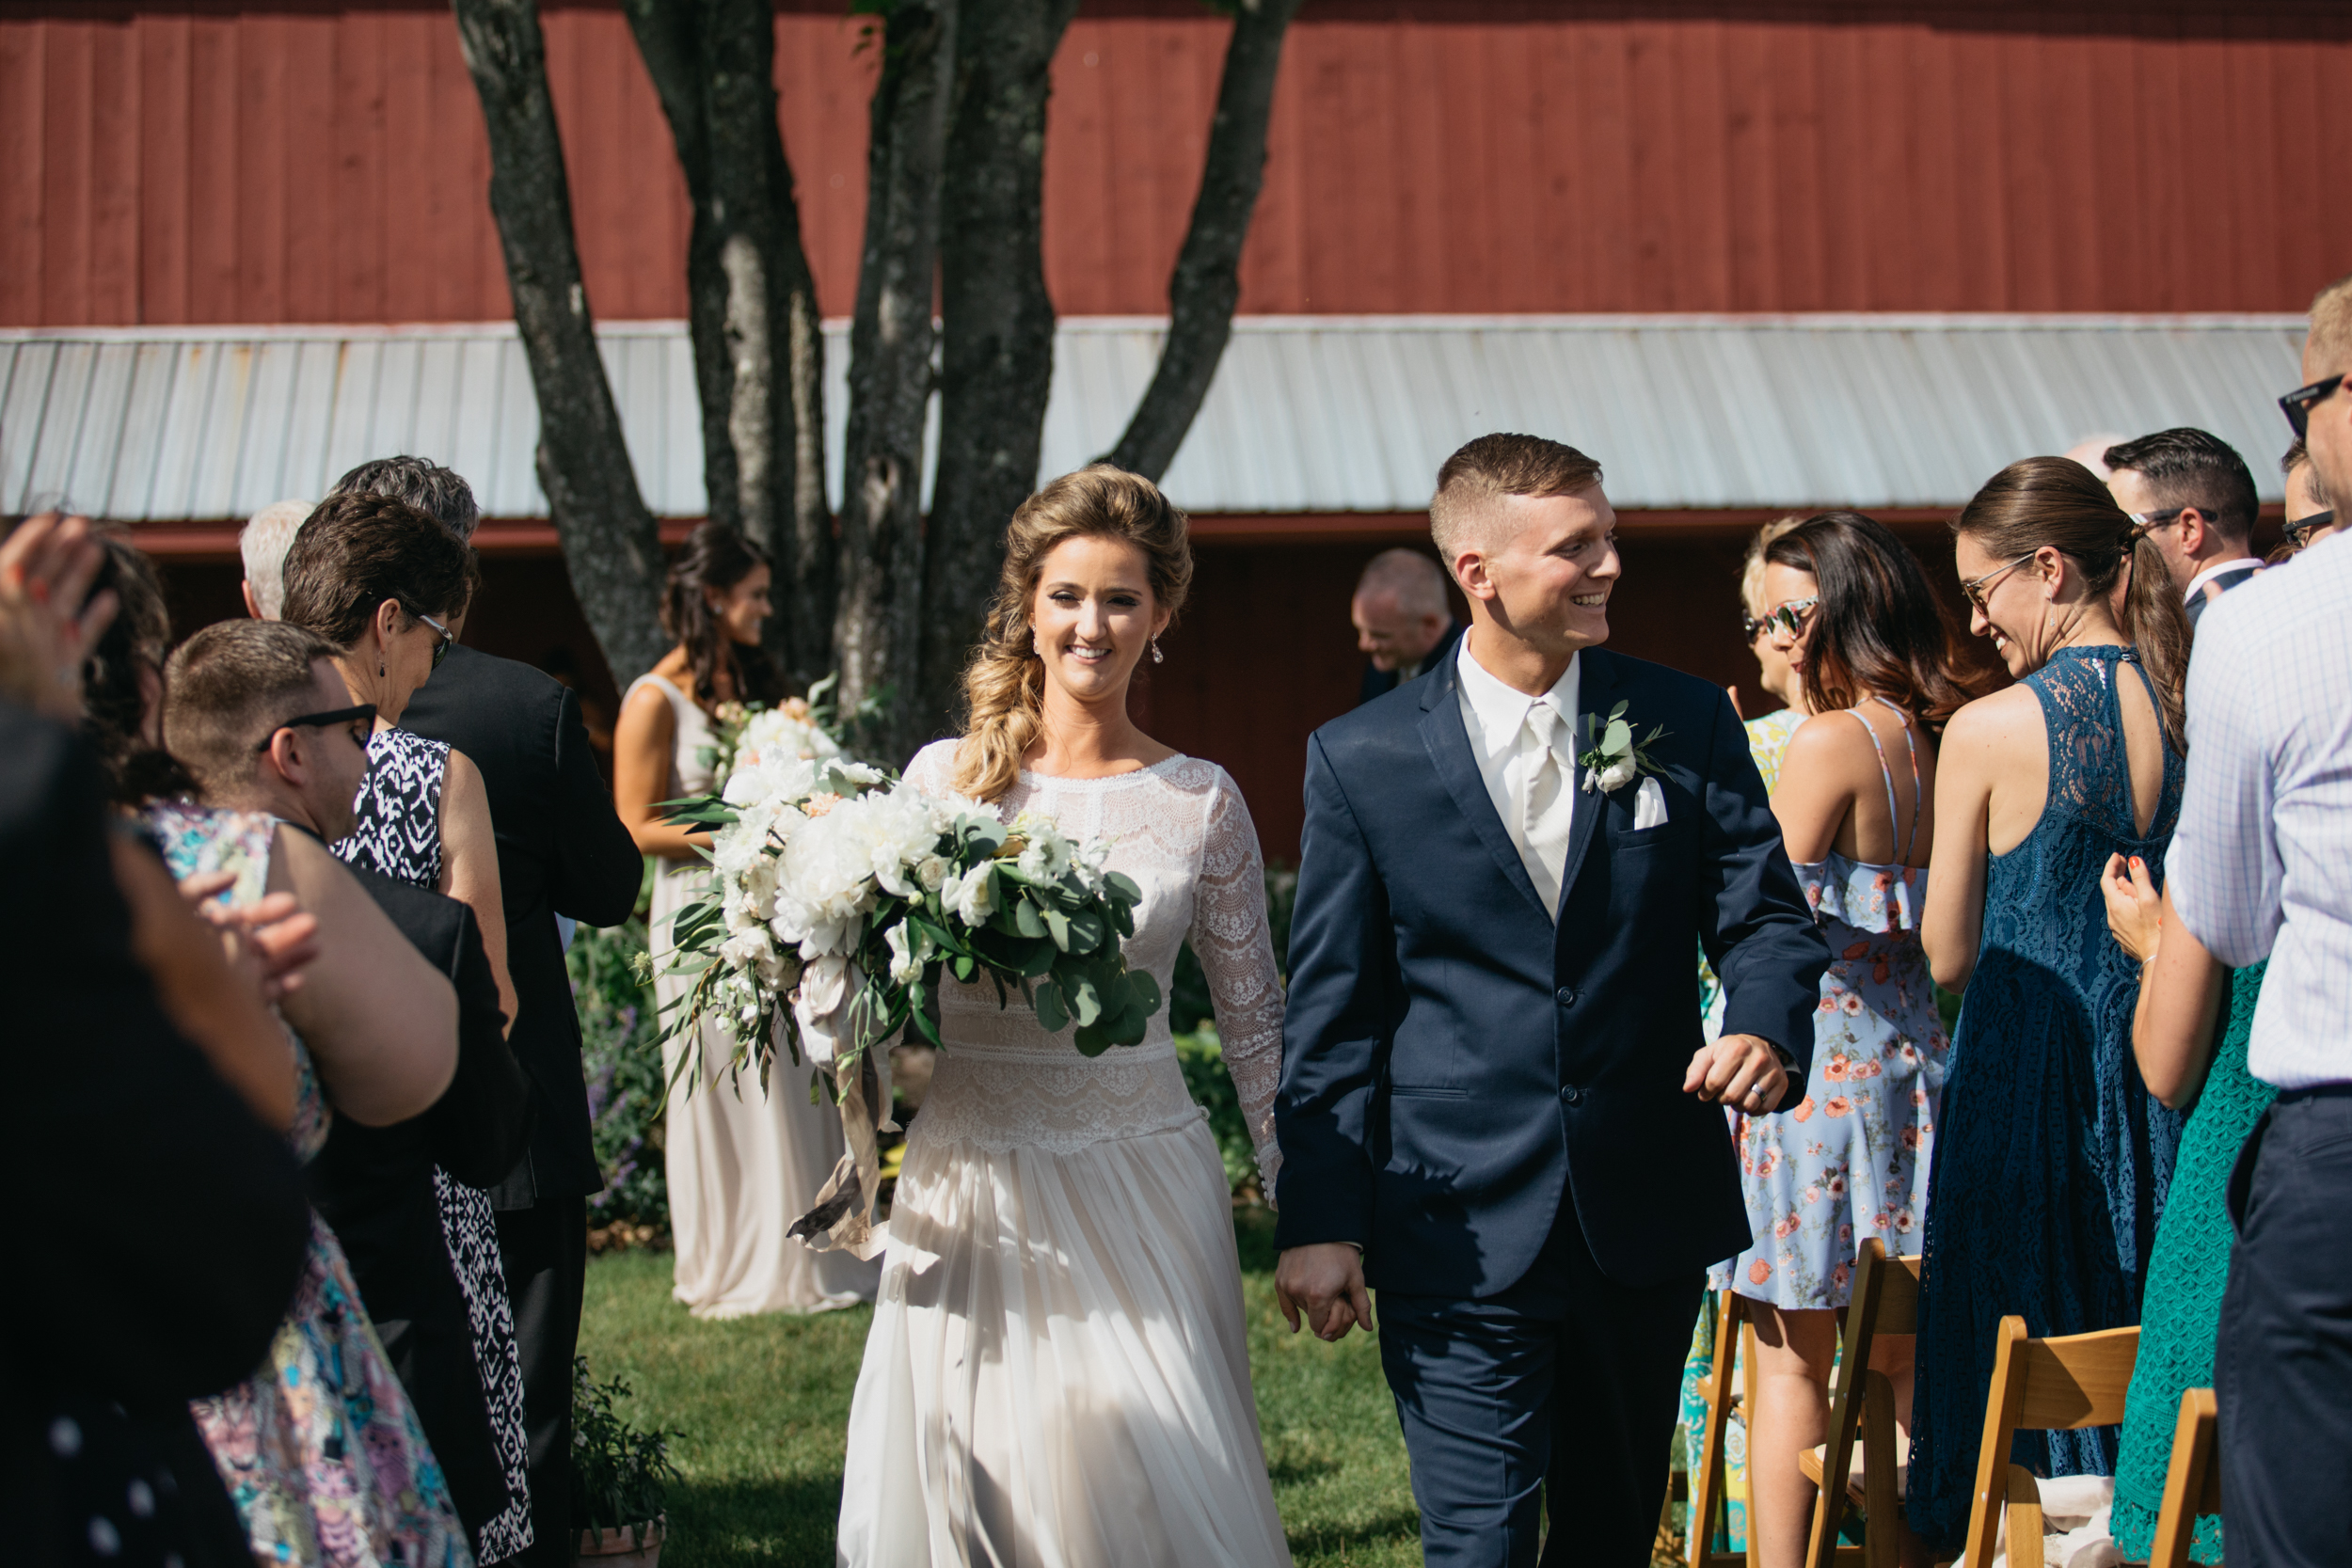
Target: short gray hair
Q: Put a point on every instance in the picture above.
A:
(1417, 581)
(441, 494)
(263, 543)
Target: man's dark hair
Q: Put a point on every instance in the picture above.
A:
(2192, 468)
(438, 492)
(358, 551)
(226, 687)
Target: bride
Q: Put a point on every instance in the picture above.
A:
(1057, 1371)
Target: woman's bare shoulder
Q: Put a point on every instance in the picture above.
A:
(2012, 716)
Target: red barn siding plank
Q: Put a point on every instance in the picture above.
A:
(114, 168)
(23, 215)
(216, 173)
(363, 151)
(318, 204)
(263, 142)
(65, 171)
(164, 154)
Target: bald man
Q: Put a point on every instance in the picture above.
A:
(1403, 623)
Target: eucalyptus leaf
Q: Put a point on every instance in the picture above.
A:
(1086, 999)
(1051, 1015)
(1121, 885)
(1619, 738)
(1059, 923)
(1026, 918)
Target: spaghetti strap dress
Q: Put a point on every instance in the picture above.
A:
(2052, 1159)
(743, 1161)
(1850, 1161)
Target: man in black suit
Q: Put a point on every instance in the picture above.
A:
(562, 850)
(1497, 1106)
(2196, 495)
(1403, 624)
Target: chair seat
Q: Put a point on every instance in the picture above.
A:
(1812, 1460)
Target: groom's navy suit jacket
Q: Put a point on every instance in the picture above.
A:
(1455, 1068)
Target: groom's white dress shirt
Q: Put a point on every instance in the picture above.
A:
(1526, 752)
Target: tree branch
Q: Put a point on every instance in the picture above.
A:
(891, 336)
(611, 545)
(997, 348)
(752, 304)
(1207, 281)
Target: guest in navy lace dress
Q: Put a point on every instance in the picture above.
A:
(1850, 610)
(383, 581)
(2052, 1158)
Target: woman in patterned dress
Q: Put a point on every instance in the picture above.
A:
(1852, 610)
(383, 581)
(320, 1448)
(745, 1159)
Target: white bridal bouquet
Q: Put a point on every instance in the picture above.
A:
(841, 898)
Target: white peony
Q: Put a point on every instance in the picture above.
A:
(931, 871)
(910, 950)
(970, 897)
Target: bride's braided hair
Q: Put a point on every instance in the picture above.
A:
(1004, 686)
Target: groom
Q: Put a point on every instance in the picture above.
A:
(1496, 1102)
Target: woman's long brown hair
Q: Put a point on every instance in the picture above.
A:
(1879, 629)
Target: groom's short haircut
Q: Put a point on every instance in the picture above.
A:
(227, 686)
(1496, 465)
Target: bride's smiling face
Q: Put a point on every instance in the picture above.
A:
(1093, 614)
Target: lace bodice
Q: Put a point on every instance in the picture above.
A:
(1181, 831)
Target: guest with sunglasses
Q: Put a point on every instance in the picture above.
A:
(2308, 518)
(383, 583)
(2051, 1157)
(1874, 651)
(2195, 497)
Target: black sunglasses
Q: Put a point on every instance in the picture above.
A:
(2299, 531)
(444, 642)
(2297, 405)
(356, 713)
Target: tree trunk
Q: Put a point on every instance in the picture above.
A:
(751, 305)
(875, 630)
(997, 348)
(610, 542)
(1207, 281)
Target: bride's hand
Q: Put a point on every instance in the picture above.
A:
(1326, 1278)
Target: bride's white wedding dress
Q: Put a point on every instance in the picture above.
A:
(1057, 1374)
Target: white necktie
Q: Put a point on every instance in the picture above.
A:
(1546, 804)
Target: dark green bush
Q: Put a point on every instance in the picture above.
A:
(621, 1053)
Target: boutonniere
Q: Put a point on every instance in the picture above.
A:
(1615, 759)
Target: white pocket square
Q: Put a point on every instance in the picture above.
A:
(1650, 806)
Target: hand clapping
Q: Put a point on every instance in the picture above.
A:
(46, 630)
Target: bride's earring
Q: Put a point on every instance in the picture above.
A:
(1157, 655)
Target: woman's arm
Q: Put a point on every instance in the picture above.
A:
(379, 1021)
(642, 743)
(2180, 984)
(1235, 946)
(220, 1011)
(1952, 924)
(470, 866)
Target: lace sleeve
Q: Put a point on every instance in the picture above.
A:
(1235, 947)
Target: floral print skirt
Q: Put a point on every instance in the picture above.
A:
(1850, 1161)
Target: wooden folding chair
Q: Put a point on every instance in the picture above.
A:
(2057, 1385)
(1735, 1343)
(2192, 1485)
(1886, 1300)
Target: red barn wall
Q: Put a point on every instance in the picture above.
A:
(309, 162)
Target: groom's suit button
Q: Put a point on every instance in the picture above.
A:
(1565, 994)
(1571, 1093)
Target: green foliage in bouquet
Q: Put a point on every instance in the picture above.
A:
(620, 1476)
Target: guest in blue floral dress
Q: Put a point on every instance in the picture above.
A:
(2052, 1160)
(1851, 608)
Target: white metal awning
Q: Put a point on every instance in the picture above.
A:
(1308, 414)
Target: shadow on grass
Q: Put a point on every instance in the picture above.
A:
(779, 1522)
(1392, 1527)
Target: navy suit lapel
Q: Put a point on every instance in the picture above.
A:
(1596, 694)
(1443, 732)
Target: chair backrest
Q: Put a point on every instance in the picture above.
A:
(2057, 1385)
(1886, 1300)
(2192, 1483)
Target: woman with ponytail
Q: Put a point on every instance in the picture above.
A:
(743, 1163)
(1059, 1367)
(2052, 1159)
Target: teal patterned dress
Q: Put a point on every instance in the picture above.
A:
(2186, 1270)
(320, 1449)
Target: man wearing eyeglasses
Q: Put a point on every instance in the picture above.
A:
(2261, 867)
(2308, 518)
(2196, 497)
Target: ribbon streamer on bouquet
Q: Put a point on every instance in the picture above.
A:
(842, 1218)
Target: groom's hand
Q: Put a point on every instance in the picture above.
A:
(1327, 1280)
(1742, 1072)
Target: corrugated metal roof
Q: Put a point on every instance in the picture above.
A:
(1306, 414)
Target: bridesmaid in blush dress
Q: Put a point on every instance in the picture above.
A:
(743, 1161)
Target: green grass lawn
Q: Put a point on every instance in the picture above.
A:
(763, 1404)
